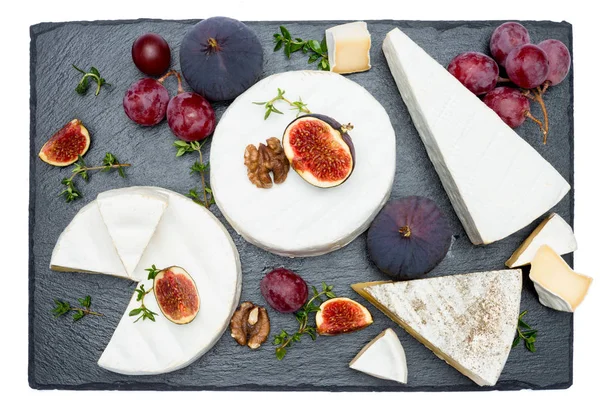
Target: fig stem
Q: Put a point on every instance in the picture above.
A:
(346, 128)
(538, 97)
(405, 231)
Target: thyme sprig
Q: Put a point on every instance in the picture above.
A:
(84, 83)
(198, 167)
(143, 312)
(316, 49)
(299, 105)
(63, 308)
(527, 334)
(284, 340)
(71, 192)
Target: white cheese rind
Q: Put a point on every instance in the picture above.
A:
(348, 47)
(383, 357)
(188, 236)
(554, 231)
(86, 246)
(295, 218)
(468, 320)
(496, 182)
(131, 216)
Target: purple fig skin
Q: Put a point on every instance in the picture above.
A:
(402, 255)
(284, 290)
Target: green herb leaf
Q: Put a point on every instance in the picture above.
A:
(285, 32)
(152, 272)
(525, 333)
(135, 311)
(317, 49)
(63, 308)
(315, 46)
(77, 315)
(93, 75)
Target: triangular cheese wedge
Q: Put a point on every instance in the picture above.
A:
(496, 181)
(468, 320)
(554, 232)
(383, 357)
(86, 246)
(131, 216)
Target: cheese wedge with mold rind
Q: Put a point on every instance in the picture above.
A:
(383, 357)
(468, 320)
(554, 231)
(557, 285)
(496, 182)
(348, 47)
(131, 216)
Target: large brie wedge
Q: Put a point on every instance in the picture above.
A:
(131, 218)
(554, 232)
(468, 320)
(383, 357)
(496, 182)
(86, 246)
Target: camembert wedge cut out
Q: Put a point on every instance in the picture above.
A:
(496, 182)
(554, 232)
(468, 320)
(383, 357)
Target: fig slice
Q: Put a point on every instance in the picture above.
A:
(176, 295)
(66, 145)
(342, 315)
(319, 149)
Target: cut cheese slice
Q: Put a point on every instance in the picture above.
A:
(131, 218)
(468, 320)
(86, 246)
(383, 357)
(191, 237)
(557, 285)
(348, 47)
(496, 182)
(554, 232)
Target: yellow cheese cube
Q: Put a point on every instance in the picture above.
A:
(348, 47)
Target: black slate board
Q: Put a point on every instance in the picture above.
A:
(63, 355)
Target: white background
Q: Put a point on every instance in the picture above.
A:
(14, 98)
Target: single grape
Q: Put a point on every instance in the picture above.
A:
(145, 102)
(190, 117)
(559, 58)
(510, 105)
(151, 54)
(284, 290)
(505, 38)
(527, 66)
(476, 71)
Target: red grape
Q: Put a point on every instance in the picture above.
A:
(527, 66)
(509, 103)
(505, 38)
(151, 54)
(284, 290)
(145, 102)
(476, 71)
(560, 60)
(190, 117)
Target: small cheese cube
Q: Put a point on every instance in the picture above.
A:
(348, 47)
(557, 285)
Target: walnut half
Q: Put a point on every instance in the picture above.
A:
(250, 325)
(265, 159)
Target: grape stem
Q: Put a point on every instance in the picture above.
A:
(171, 73)
(503, 79)
(538, 97)
(540, 123)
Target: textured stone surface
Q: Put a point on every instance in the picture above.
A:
(64, 355)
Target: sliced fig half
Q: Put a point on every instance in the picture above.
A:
(66, 145)
(176, 295)
(342, 315)
(319, 149)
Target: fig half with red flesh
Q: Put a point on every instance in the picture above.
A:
(66, 145)
(409, 237)
(176, 295)
(342, 315)
(319, 150)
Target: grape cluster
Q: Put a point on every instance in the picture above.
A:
(531, 68)
(147, 102)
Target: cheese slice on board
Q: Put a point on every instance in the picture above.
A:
(496, 182)
(131, 218)
(383, 357)
(348, 47)
(557, 285)
(191, 237)
(468, 320)
(86, 246)
(554, 232)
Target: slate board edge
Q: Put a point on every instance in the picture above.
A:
(510, 385)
